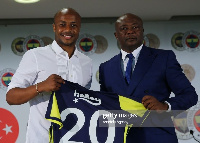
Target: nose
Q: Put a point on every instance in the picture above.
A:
(131, 31)
(68, 27)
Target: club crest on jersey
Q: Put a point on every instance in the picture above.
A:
(87, 98)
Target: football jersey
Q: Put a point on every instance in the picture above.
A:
(80, 115)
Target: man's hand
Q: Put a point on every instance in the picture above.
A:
(52, 83)
(151, 103)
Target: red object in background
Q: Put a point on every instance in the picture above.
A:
(9, 127)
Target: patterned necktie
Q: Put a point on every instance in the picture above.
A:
(129, 67)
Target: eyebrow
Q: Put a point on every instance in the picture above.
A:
(131, 24)
(61, 21)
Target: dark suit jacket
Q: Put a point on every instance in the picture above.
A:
(156, 73)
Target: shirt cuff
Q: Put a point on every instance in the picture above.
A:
(169, 106)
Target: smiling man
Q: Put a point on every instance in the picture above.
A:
(43, 70)
(67, 24)
(148, 76)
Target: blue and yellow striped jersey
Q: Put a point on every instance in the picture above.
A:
(85, 116)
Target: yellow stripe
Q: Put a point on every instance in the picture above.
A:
(126, 130)
(55, 112)
(89, 43)
(180, 122)
(197, 118)
(192, 40)
(145, 119)
(132, 106)
(7, 78)
(83, 43)
(51, 140)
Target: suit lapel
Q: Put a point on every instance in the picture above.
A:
(144, 62)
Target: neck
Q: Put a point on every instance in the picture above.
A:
(130, 49)
(69, 49)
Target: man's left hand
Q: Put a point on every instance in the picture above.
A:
(151, 103)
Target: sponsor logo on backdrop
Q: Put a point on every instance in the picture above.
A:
(86, 44)
(154, 41)
(193, 121)
(188, 71)
(6, 76)
(176, 41)
(191, 41)
(17, 46)
(102, 44)
(9, 127)
(47, 40)
(31, 42)
(181, 127)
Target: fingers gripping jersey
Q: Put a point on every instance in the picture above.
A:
(76, 113)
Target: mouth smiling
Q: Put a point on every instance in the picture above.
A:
(67, 37)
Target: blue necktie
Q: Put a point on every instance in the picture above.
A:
(129, 68)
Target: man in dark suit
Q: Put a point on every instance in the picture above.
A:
(154, 74)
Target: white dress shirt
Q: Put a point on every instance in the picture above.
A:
(125, 59)
(36, 66)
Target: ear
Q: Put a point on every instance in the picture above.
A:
(54, 27)
(115, 35)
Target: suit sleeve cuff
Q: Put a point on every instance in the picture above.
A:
(169, 106)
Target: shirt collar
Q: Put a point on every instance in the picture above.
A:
(58, 50)
(135, 53)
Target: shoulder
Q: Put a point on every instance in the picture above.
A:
(112, 60)
(39, 51)
(157, 51)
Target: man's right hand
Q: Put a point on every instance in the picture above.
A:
(52, 83)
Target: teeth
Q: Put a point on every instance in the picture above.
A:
(67, 36)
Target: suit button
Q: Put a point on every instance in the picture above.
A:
(146, 91)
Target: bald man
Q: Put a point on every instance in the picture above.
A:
(43, 70)
(148, 76)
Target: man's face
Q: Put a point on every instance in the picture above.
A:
(129, 32)
(66, 27)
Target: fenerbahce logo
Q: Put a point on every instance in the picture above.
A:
(87, 98)
(5, 77)
(193, 121)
